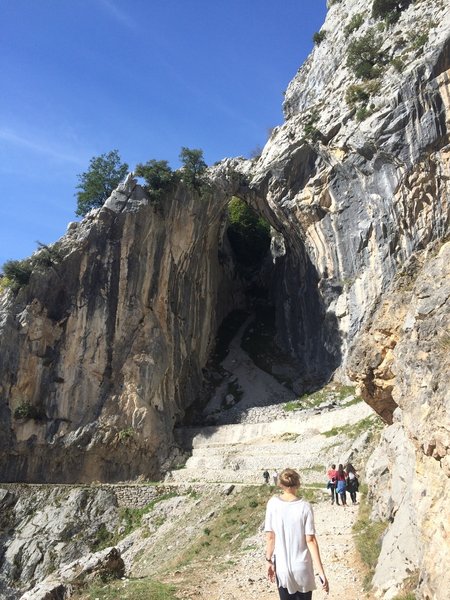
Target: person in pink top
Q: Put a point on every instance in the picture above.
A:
(332, 483)
(341, 485)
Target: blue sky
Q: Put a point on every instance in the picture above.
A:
(83, 77)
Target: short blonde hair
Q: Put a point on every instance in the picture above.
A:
(290, 478)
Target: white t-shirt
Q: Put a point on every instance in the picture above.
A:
(291, 522)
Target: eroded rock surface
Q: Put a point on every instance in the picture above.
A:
(48, 528)
(101, 355)
(409, 474)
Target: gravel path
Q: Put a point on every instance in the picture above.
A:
(247, 578)
(244, 577)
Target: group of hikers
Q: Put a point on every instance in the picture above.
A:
(340, 481)
(266, 476)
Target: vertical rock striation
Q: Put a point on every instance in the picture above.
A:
(405, 349)
(108, 346)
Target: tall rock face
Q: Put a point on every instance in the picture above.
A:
(360, 168)
(402, 357)
(102, 353)
(108, 346)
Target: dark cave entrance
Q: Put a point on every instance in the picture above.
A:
(274, 307)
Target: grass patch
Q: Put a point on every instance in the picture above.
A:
(226, 533)
(129, 589)
(355, 400)
(103, 538)
(353, 430)
(331, 393)
(317, 468)
(303, 403)
(310, 494)
(131, 518)
(368, 536)
(126, 434)
(317, 485)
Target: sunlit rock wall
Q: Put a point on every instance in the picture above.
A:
(107, 347)
(405, 349)
(364, 193)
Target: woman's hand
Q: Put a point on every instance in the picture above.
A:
(325, 584)
(271, 572)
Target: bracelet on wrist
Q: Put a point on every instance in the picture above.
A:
(268, 559)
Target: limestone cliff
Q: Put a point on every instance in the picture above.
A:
(403, 354)
(108, 346)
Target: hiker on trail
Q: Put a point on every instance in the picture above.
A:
(332, 482)
(266, 476)
(275, 477)
(341, 485)
(292, 551)
(352, 482)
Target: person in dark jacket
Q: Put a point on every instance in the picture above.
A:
(352, 482)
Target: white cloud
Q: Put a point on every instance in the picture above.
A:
(39, 146)
(118, 14)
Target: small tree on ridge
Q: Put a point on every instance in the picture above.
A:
(99, 181)
(193, 167)
(158, 176)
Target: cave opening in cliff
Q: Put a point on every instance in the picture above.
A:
(247, 242)
(274, 340)
(248, 346)
(248, 234)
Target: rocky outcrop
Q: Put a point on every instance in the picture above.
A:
(104, 566)
(102, 354)
(48, 528)
(364, 193)
(404, 354)
(107, 347)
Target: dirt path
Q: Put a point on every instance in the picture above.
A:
(242, 576)
(246, 578)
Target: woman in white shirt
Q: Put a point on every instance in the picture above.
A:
(292, 548)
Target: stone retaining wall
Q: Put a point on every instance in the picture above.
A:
(128, 495)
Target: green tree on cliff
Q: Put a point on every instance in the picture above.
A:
(158, 176)
(193, 167)
(96, 184)
(364, 56)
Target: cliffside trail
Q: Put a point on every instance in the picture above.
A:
(247, 577)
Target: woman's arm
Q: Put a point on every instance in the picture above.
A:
(313, 547)
(270, 546)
